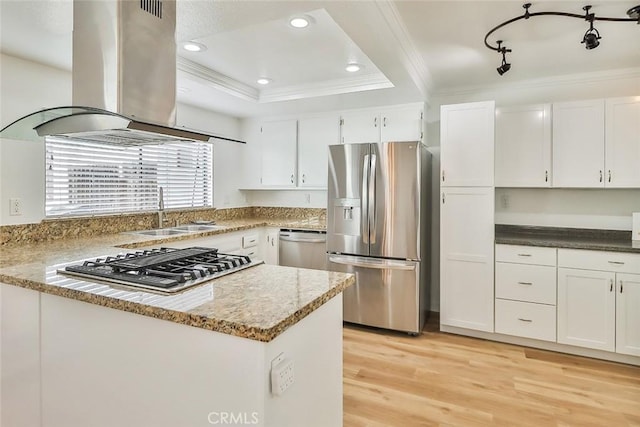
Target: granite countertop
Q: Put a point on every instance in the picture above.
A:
(572, 238)
(258, 303)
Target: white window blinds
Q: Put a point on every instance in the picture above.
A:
(84, 178)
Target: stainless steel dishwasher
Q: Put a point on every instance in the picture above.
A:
(303, 248)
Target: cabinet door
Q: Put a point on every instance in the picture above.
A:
(467, 141)
(628, 314)
(360, 126)
(314, 136)
(279, 154)
(401, 124)
(578, 144)
(586, 308)
(622, 142)
(268, 248)
(523, 146)
(466, 258)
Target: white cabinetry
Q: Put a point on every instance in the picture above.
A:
(523, 146)
(279, 140)
(526, 291)
(395, 123)
(578, 144)
(466, 258)
(315, 134)
(599, 300)
(622, 142)
(269, 253)
(467, 144)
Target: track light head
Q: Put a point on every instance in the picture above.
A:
(591, 39)
(504, 67)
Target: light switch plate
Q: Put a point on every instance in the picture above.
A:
(635, 229)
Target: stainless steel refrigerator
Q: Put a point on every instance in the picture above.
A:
(378, 228)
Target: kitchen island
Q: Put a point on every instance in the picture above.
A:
(78, 353)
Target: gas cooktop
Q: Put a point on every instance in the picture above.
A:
(163, 270)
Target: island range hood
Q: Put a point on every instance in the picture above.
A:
(123, 79)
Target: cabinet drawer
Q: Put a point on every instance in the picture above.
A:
(250, 240)
(619, 262)
(530, 283)
(250, 252)
(526, 254)
(526, 319)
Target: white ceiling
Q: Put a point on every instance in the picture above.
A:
(409, 49)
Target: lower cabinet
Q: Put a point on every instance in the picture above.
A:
(526, 319)
(270, 239)
(599, 308)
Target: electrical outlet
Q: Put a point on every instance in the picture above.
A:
(504, 199)
(282, 374)
(15, 206)
(307, 198)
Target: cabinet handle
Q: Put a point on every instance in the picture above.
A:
(443, 176)
(611, 285)
(616, 262)
(292, 178)
(304, 177)
(600, 175)
(525, 320)
(525, 283)
(524, 254)
(384, 122)
(609, 177)
(443, 198)
(620, 286)
(546, 176)
(375, 122)
(273, 240)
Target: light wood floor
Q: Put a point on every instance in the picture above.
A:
(392, 379)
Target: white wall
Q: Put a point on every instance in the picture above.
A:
(27, 86)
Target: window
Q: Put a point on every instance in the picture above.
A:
(84, 178)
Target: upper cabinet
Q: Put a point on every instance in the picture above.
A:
(315, 134)
(395, 123)
(622, 142)
(523, 146)
(578, 144)
(467, 144)
(279, 140)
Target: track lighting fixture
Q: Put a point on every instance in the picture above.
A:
(591, 38)
(505, 66)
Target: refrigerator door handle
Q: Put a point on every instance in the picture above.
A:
(365, 201)
(371, 208)
(372, 263)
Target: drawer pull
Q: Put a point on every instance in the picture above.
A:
(525, 320)
(524, 254)
(610, 285)
(616, 262)
(525, 283)
(620, 286)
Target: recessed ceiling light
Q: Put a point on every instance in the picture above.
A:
(263, 81)
(353, 67)
(299, 22)
(194, 47)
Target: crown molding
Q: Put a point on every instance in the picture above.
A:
(329, 87)
(568, 79)
(218, 80)
(416, 66)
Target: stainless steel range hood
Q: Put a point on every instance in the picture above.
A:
(124, 78)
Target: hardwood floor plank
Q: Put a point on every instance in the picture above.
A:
(391, 379)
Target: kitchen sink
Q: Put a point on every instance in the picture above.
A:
(161, 232)
(197, 227)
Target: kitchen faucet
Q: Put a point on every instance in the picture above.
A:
(161, 218)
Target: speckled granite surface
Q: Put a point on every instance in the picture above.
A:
(573, 238)
(258, 303)
(74, 228)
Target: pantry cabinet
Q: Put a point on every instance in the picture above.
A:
(467, 144)
(523, 146)
(622, 142)
(599, 300)
(466, 258)
(394, 123)
(278, 141)
(315, 134)
(578, 144)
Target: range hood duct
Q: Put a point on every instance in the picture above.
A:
(123, 80)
